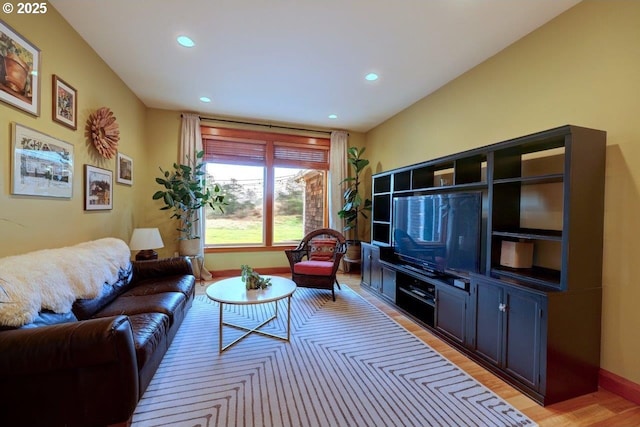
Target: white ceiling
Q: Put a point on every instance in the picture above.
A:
(297, 61)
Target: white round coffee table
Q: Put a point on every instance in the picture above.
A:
(233, 291)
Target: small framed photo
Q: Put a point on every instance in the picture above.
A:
(98, 193)
(19, 71)
(41, 165)
(124, 169)
(65, 103)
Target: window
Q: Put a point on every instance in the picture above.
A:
(243, 221)
(274, 184)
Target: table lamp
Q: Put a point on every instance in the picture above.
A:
(146, 240)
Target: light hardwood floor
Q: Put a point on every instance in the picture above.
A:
(601, 408)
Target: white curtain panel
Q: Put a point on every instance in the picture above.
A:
(337, 172)
(190, 144)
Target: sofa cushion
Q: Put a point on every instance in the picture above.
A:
(314, 268)
(149, 333)
(47, 317)
(168, 303)
(86, 308)
(322, 249)
(157, 285)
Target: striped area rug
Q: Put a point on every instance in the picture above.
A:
(347, 364)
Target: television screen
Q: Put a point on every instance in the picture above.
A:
(439, 232)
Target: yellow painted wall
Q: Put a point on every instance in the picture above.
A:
(582, 68)
(29, 223)
(162, 150)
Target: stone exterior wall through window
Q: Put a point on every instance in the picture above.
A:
(313, 201)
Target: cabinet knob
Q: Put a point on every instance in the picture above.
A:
(502, 307)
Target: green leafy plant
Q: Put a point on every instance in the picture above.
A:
(186, 191)
(354, 205)
(253, 280)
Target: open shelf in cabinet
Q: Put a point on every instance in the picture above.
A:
(382, 184)
(531, 234)
(470, 169)
(546, 259)
(518, 164)
(540, 276)
(402, 180)
(419, 295)
(446, 174)
(381, 232)
(416, 296)
(443, 175)
(382, 207)
(474, 186)
(530, 180)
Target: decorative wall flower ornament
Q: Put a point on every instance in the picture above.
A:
(104, 131)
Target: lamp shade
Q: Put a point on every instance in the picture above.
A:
(145, 238)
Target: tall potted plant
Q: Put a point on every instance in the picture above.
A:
(185, 192)
(354, 205)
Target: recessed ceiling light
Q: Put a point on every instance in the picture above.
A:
(185, 41)
(333, 116)
(371, 77)
(205, 99)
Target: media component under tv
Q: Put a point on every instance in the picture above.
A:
(439, 232)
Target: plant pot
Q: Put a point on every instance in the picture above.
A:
(353, 250)
(190, 247)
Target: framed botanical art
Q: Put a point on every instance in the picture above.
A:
(98, 192)
(124, 169)
(19, 71)
(41, 165)
(65, 103)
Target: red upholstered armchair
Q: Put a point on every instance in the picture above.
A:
(314, 263)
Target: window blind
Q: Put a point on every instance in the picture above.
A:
(243, 148)
(228, 150)
(297, 155)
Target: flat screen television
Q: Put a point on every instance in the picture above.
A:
(439, 232)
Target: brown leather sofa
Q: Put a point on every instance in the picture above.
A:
(91, 370)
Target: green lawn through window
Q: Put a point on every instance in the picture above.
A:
(223, 231)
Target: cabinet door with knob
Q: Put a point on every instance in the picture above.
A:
(371, 270)
(451, 312)
(488, 327)
(388, 286)
(508, 329)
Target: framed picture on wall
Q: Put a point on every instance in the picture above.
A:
(41, 165)
(19, 71)
(124, 169)
(98, 192)
(65, 103)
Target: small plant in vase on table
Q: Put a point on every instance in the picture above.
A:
(253, 280)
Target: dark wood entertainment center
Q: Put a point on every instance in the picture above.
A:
(538, 328)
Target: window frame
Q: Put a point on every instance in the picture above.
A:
(270, 141)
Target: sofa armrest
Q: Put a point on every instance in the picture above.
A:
(78, 373)
(161, 268)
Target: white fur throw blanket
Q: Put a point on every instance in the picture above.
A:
(54, 278)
